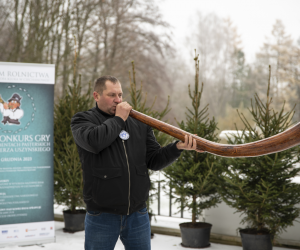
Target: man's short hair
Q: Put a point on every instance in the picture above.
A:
(100, 83)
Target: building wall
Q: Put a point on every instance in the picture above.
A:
(225, 221)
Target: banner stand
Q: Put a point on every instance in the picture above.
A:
(26, 153)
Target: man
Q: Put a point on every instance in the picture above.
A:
(115, 151)
(11, 111)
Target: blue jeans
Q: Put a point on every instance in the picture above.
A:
(102, 230)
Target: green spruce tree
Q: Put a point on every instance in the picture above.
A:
(138, 101)
(191, 175)
(68, 184)
(261, 188)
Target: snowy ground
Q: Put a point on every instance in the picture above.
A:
(75, 241)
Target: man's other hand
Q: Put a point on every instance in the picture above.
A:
(122, 110)
(188, 144)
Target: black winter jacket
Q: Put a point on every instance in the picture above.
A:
(115, 175)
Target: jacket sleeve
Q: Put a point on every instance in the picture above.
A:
(94, 137)
(160, 157)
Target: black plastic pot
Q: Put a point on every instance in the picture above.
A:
(195, 235)
(74, 222)
(253, 241)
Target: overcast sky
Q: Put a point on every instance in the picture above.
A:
(253, 18)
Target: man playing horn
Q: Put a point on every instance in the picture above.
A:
(116, 152)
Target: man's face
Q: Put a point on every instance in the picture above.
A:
(110, 97)
(13, 104)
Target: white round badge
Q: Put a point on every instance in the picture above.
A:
(124, 135)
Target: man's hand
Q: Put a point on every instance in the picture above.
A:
(188, 144)
(5, 105)
(122, 110)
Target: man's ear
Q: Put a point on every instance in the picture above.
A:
(96, 96)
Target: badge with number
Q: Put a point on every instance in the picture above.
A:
(124, 135)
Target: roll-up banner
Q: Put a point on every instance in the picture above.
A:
(26, 153)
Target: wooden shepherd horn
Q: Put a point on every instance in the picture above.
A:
(276, 143)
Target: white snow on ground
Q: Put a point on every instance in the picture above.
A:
(66, 241)
(75, 241)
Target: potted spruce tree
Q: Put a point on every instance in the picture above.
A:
(191, 175)
(138, 101)
(67, 167)
(261, 187)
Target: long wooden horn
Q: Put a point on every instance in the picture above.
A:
(276, 143)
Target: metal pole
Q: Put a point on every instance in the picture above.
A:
(158, 199)
(181, 201)
(170, 202)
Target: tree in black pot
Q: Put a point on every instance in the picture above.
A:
(261, 188)
(191, 175)
(67, 167)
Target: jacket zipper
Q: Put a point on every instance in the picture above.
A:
(128, 179)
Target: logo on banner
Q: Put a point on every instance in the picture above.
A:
(44, 234)
(4, 231)
(12, 237)
(11, 110)
(17, 109)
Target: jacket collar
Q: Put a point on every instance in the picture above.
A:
(103, 113)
